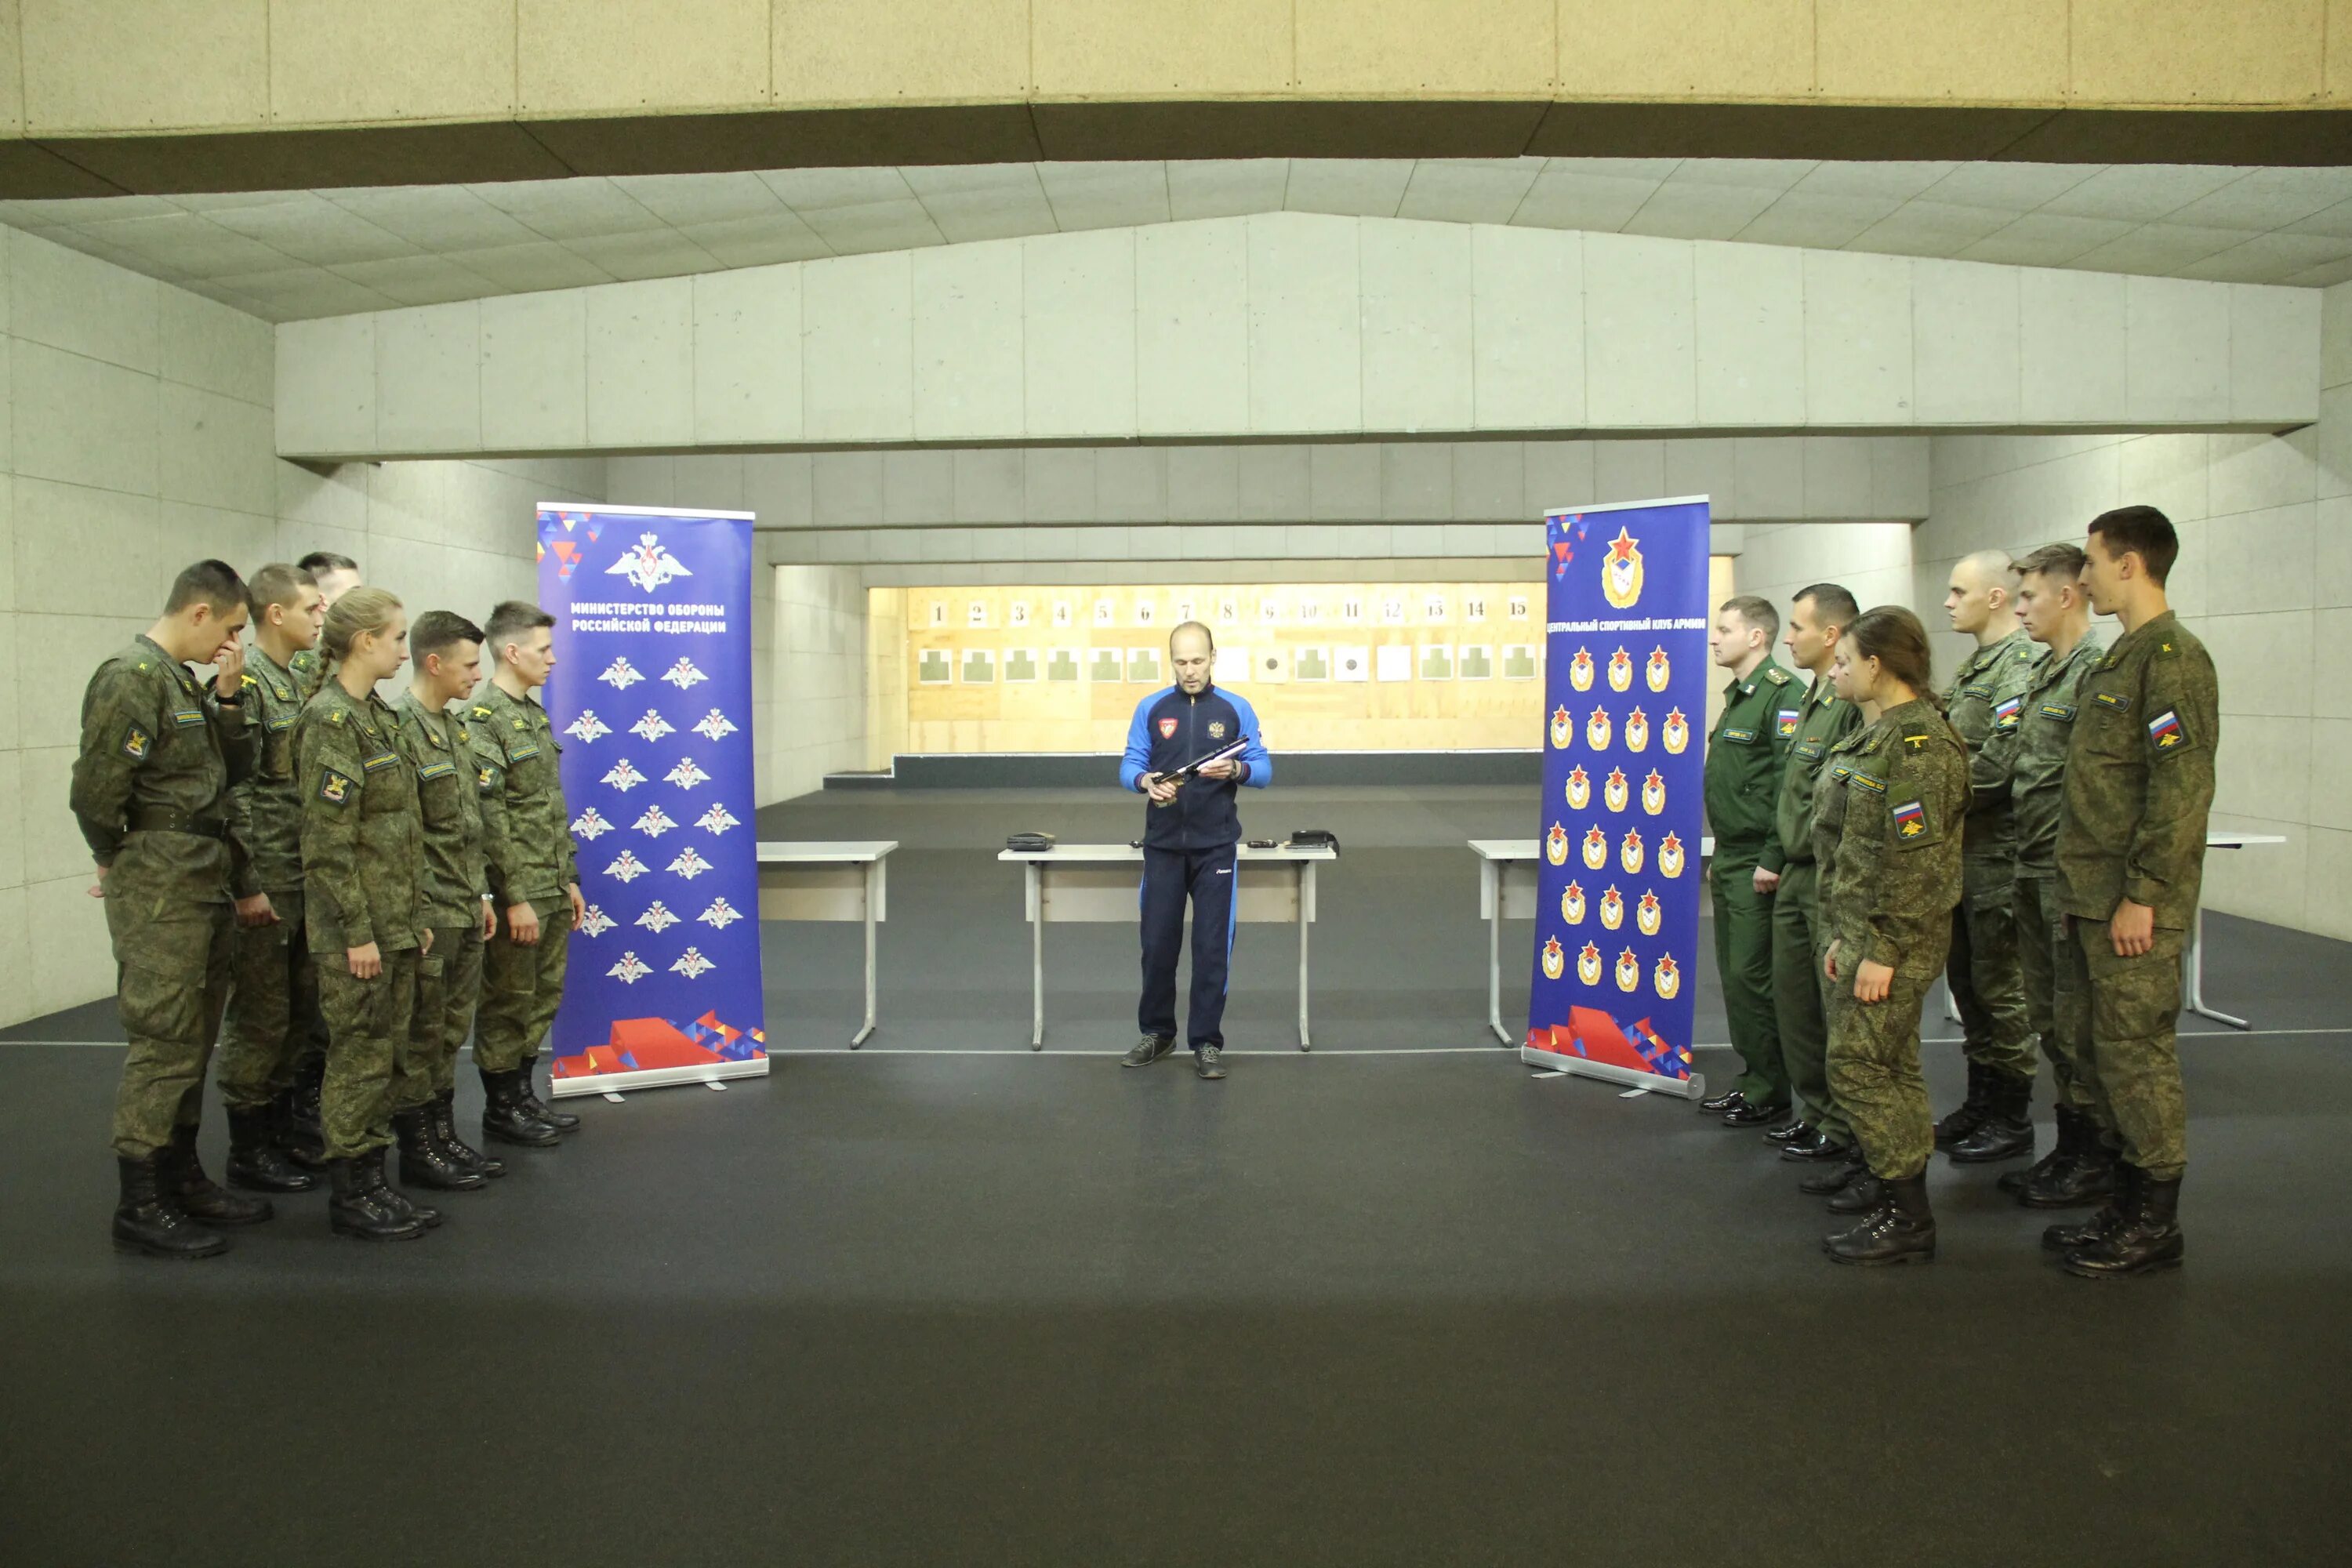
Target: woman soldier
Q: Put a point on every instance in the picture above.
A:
(362, 860)
(1887, 831)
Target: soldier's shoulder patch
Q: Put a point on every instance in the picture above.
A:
(1910, 821)
(2006, 715)
(137, 743)
(2164, 734)
(1776, 676)
(334, 788)
(1786, 719)
(486, 778)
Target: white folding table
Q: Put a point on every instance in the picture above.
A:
(1098, 882)
(829, 881)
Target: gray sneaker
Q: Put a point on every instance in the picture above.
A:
(1210, 1062)
(1149, 1050)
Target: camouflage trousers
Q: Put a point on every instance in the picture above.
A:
(172, 974)
(1798, 939)
(448, 986)
(367, 1034)
(1743, 959)
(1874, 1066)
(274, 991)
(522, 987)
(2057, 1011)
(1987, 985)
(2125, 1036)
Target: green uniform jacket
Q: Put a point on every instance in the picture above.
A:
(309, 671)
(1991, 678)
(526, 830)
(158, 749)
(440, 747)
(265, 810)
(2029, 745)
(1744, 757)
(1823, 721)
(363, 851)
(1885, 832)
(2139, 777)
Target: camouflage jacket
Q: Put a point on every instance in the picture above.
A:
(363, 849)
(1991, 681)
(1823, 721)
(1885, 831)
(526, 830)
(309, 669)
(2029, 750)
(440, 747)
(265, 810)
(1744, 757)
(158, 751)
(2139, 777)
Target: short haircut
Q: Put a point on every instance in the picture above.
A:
(2052, 561)
(276, 584)
(513, 617)
(1756, 612)
(2142, 531)
(320, 561)
(1831, 602)
(1206, 634)
(437, 630)
(213, 583)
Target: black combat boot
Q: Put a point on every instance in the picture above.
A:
(184, 1179)
(147, 1220)
(1963, 1121)
(442, 1114)
(256, 1162)
(2063, 1151)
(424, 1163)
(2148, 1239)
(1835, 1175)
(300, 1131)
(2089, 1176)
(1901, 1229)
(354, 1207)
(2067, 1237)
(1860, 1195)
(371, 1166)
(2006, 1131)
(561, 1121)
(506, 1120)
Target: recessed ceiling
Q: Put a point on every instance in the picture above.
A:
(289, 255)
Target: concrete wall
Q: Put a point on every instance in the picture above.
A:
(1871, 559)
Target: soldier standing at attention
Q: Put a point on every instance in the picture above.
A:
(1788, 875)
(335, 576)
(2131, 856)
(2056, 609)
(276, 988)
(150, 792)
(445, 652)
(527, 843)
(1744, 758)
(362, 855)
(1890, 857)
(1996, 1121)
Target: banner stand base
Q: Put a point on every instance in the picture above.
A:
(1691, 1087)
(656, 1077)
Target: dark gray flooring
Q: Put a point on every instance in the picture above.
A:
(1347, 1307)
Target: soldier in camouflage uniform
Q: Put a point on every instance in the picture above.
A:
(2138, 792)
(335, 576)
(2030, 747)
(1996, 1121)
(1886, 830)
(437, 739)
(1787, 872)
(1744, 758)
(527, 841)
(362, 858)
(159, 753)
(276, 989)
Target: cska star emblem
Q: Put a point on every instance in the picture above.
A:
(1629, 853)
(1572, 904)
(1678, 732)
(1563, 728)
(1647, 915)
(1580, 670)
(1555, 961)
(1654, 793)
(1629, 970)
(1612, 909)
(1556, 845)
(1621, 671)
(1666, 977)
(1637, 730)
(1670, 856)
(1616, 793)
(1658, 673)
(1579, 790)
(1620, 571)
(1588, 964)
(1596, 848)
(1596, 730)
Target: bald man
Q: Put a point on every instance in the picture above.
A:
(1995, 1121)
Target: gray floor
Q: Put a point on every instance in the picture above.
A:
(1361, 1306)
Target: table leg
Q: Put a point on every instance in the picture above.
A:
(871, 892)
(1495, 956)
(1306, 907)
(2193, 960)
(1037, 958)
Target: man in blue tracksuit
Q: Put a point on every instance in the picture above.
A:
(1192, 835)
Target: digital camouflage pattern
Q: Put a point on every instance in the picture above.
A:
(1744, 756)
(526, 830)
(309, 669)
(1980, 694)
(1887, 831)
(2029, 749)
(440, 748)
(521, 988)
(1823, 721)
(264, 809)
(1987, 979)
(274, 992)
(448, 989)
(367, 1026)
(2057, 1012)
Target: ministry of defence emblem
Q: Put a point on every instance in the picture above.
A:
(649, 564)
(629, 970)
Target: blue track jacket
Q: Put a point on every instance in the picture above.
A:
(1171, 730)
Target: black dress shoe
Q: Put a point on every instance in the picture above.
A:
(1791, 1133)
(1722, 1102)
(1814, 1145)
(1747, 1115)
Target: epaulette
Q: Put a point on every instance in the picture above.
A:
(2165, 650)
(481, 711)
(251, 682)
(1776, 676)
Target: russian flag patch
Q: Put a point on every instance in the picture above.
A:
(2004, 716)
(1910, 820)
(2165, 731)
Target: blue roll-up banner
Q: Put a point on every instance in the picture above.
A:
(1620, 881)
(651, 698)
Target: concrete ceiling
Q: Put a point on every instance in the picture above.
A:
(292, 255)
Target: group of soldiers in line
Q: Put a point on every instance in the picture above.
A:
(336, 888)
(2036, 835)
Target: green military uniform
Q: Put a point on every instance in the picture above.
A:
(440, 747)
(157, 755)
(309, 669)
(362, 858)
(1987, 985)
(2137, 789)
(1885, 831)
(1798, 936)
(1744, 760)
(526, 844)
(276, 987)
